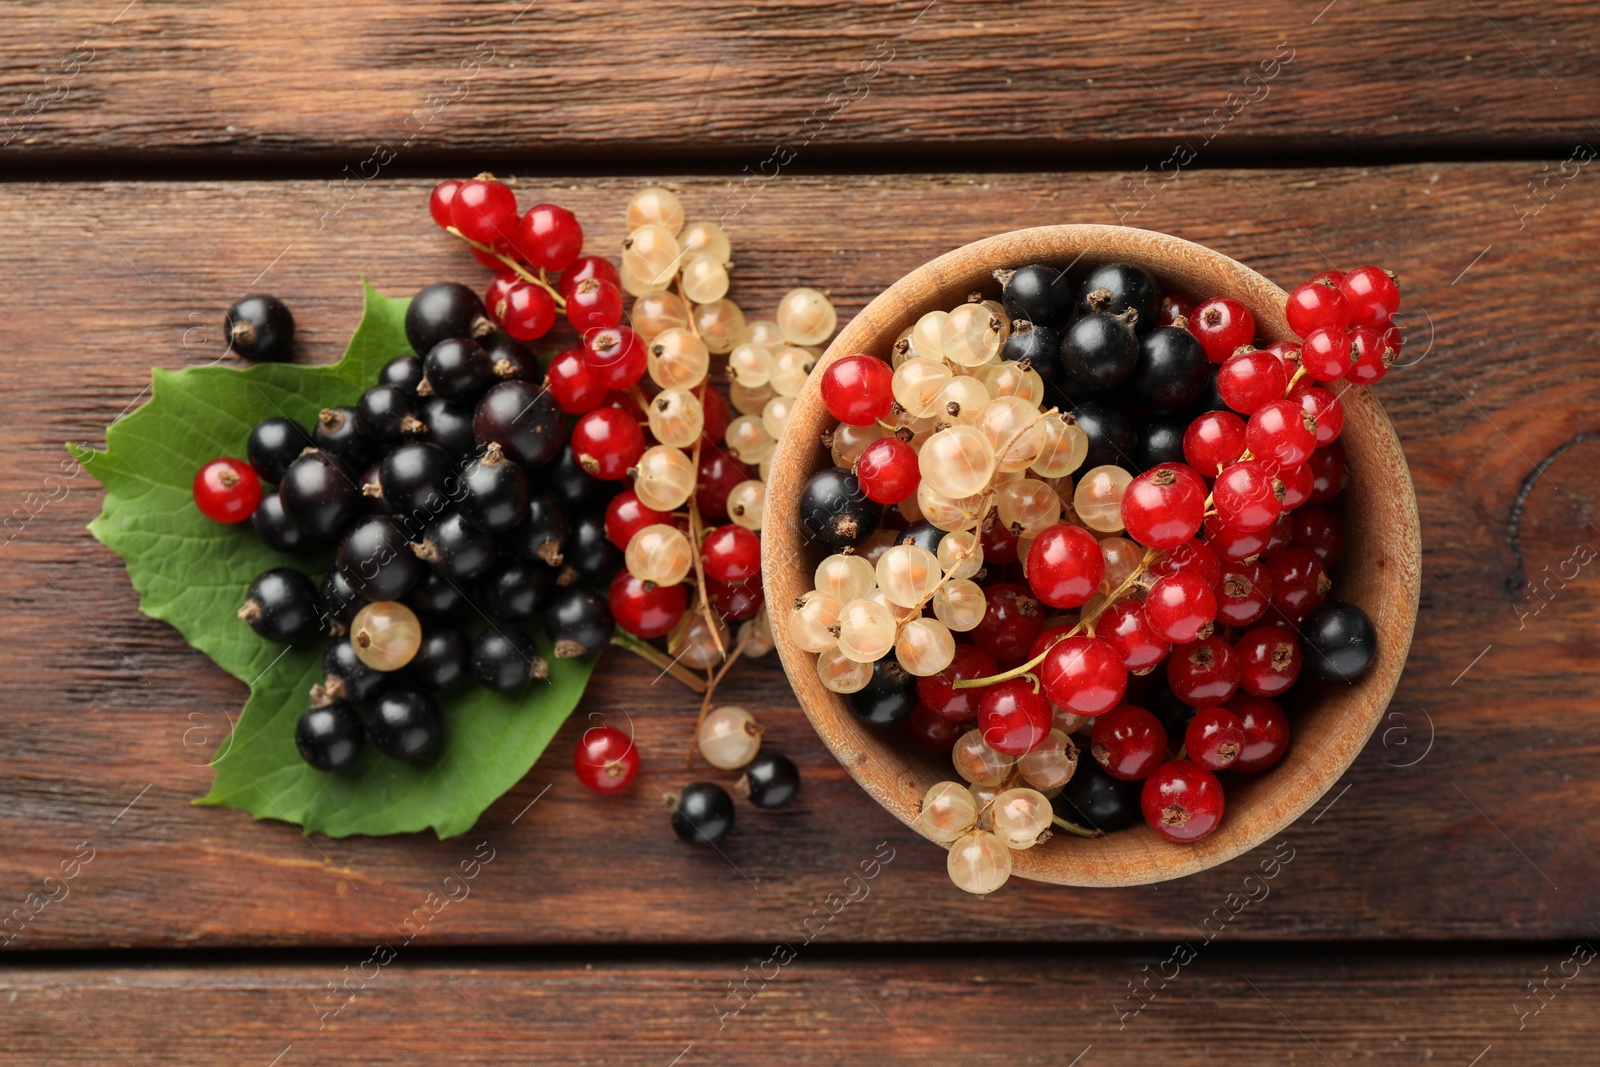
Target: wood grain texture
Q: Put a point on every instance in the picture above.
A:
(978, 1010)
(728, 81)
(1487, 835)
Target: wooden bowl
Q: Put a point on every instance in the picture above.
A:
(1330, 722)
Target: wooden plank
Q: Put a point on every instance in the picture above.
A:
(781, 1005)
(1486, 835)
(728, 82)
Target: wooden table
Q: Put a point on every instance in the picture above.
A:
(165, 158)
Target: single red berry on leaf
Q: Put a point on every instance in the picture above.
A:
(858, 390)
(1084, 675)
(1213, 441)
(1249, 380)
(1203, 673)
(888, 471)
(606, 759)
(1013, 717)
(607, 442)
(1178, 607)
(549, 237)
(731, 554)
(942, 699)
(1128, 742)
(1372, 294)
(484, 210)
(1182, 801)
(626, 515)
(1244, 593)
(1214, 738)
(1222, 325)
(1266, 732)
(1316, 306)
(1164, 506)
(573, 384)
(1065, 566)
(645, 609)
(227, 490)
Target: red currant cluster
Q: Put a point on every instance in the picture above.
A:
(1196, 534)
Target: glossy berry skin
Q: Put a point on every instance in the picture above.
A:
(1000, 545)
(1370, 356)
(345, 677)
(381, 414)
(770, 781)
(719, 472)
(1182, 801)
(449, 425)
(281, 606)
(525, 311)
(437, 598)
(261, 329)
(524, 420)
(1178, 607)
(1039, 345)
(1172, 372)
(578, 623)
(274, 444)
(716, 412)
(889, 697)
(731, 554)
(1214, 738)
(930, 733)
(549, 237)
(595, 304)
(274, 529)
(1325, 354)
(735, 601)
(1269, 661)
(1222, 325)
(443, 663)
(405, 725)
(1012, 618)
(376, 559)
(702, 814)
(1118, 287)
(1297, 484)
(515, 589)
(330, 738)
(584, 268)
(588, 551)
(1231, 544)
(439, 201)
(608, 443)
(937, 692)
(1195, 556)
(858, 390)
(922, 534)
(1038, 294)
(335, 433)
(484, 210)
(1330, 473)
(1323, 406)
(1097, 353)
(626, 516)
(1244, 593)
(1124, 628)
(413, 477)
(1109, 429)
(459, 369)
(1247, 498)
(442, 311)
(455, 548)
(888, 471)
(606, 759)
(1339, 642)
(1094, 800)
(505, 659)
(1158, 441)
(834, 510)
(1315, 306)
(319, 495)
(1266, 733)
(616, 356)
(494, 492)
(1163, 508)
(337, 602)
(1282, 432)
(1084, 675)
(576, 388)
(1299, 581)
(1128, 743)
(1065, 566)
(227, 490)
(1213, 442)
(1175, 307)
(1013, 718)
(1250, 380)
(1320, 530)
(1372, 295)
(1204, 673)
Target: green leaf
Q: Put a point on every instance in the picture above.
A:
(192, 573)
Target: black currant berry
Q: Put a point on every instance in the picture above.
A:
(516, 589)
(274, 527)
(1097, 353)
(414, 477)
(1172, 371)
(443, 663)
(1094, 800)
(457, 369)
(505, 659)
(835, 511)
(404, 371)
(543, 531)
(889, 697)
(1339, 642)
(922, 534)
(575, 486)
(1211, 399)
(578, 622)
(514, 360)
(405, 725)
(442, 311)
(1166, 705)
(330, 738)
(702, 814)
(1158, 440)
(1118, 287)
(319, 495)
(1110, 433)
(454, 548)
(437, 597)
(1038, 346)
(372, 491)
(274, 444)
(337, 602)
(345, 677)
(589, 552)
(523, 419)
(260, 328)
(770, 781)
(281, 605)
(446, 424)
(336, 434)
(381, 414)
(375, 557)
(1042, 295)
(494, 491)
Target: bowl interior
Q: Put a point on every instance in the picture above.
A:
(1330, 722)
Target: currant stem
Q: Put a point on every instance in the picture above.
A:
(651, 654)
(695, 536)
(1074, 828)
(1299, 372)
(521, 271)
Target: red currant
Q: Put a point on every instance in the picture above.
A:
(582, 269)
(550, 237)
(1048, 637)
(999, 543)
(645, 609)
(1370, 355)
(1299, 582)
(1279, 534)
(1323, 406)
(1222, 325)
(525, 311)
(440, 199)
(1065, 566)
(1266, 732)
(1250, 380)
(888, 471)
(1204, 673)
(1128, 742)
(1326, 354)
(1013, 716)
(484, 210)
(1287, 351)
(1163, 507)
(1315, 306)
(1214, 739)
(1174, 308)
(731, 554)
(1330, 472)
(1233, 544)
(606, 759)
(1329, 277)
(931, 733)
(1372, 294)
(607, 442)
(714, 408)
(719, 473)
(1269, 661)
(940, 697)
(495, 295)
(858, 390)
(1213, 441)
(616, 355)
(1196, 557)
(1178, 607)
(594, 305)
(1296, 482)
(1182, 801)
(227, 490)
(1246, 499)
(1283, 432)
(626, 516)
(1320, 530)
(735, 600)
(1084, 675)
(1244, 593)
(573, 384)
(1012, 618)
(1124, 628)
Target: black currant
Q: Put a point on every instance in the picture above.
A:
(446, 424)
(281, 605)
(376, 559)
(543, 531)
(589, 552)
(337, 602)
(330, 738)
(443, 662)
(372, 491)
(512, 359)
(1167, 706)
(1110, 433)
(1157, 440)
(437, 597)
(454, 548)
(414, 478)
(404, 371)
(889, 697)
(1038, 346)
(835, 511)
(457, 369)
(575, 485)
(922, 534)
(1097, 353)
(770, 781)
(382, 414)
(274, 527)
(319, 495)
(345, 677)
(1172, 371)
(336, 434)
(516, 589)
(405, 725)
(702, 814)
(578, 622)
(505, 659)
(1094, 800)
(1211, 399)
(442, 311)
(274, 444)
(1119, 287)
(494, 491)
(260, 328)
(1339, 642)
(1042, 295)
(523, 419)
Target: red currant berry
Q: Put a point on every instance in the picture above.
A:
(626, 516)
(550, 237)
(1246, 499)
(731, 554)
(1244, 593)
(1316, 306)
(607, 442)
(1213, 441)
(1279, 534)
(1124, 628)
(616, 355)
(494, 296)
(1269, 661)
(1287, 351)
(714, 408)
(606, 759)
(1326, 354)
(1319, 530)
(1048, 637)
(735, 600)
(1174, 308)
(1195, 557)
(888, 471)
(1231, 544)
(1128, 742)
(1012, 618)
(439, 202)
(594, 304)
(1013, 717)
(1214, 739)
(484, 210)
(573, 384)
(1065, 566)
(1182, 801)
(1370, 356)
(1250, 380)
(1222, 325)
(227, 490)
(1281, 431)
(1299, 582)
(931, 733)
(1178, 607)
(1372, 294)
(525, 311)
(940, 697)
(858, 390)
(1084, 675)
(582, 269)
(719, 473)
(1203, 673)
(1163, 507)
(1329, 277)
(1330, 472)
(1296, 482)
(1323, 406)
(645, 609)
(999, 543)
(1266, 733)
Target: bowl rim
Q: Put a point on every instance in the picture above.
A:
(1136, 855)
